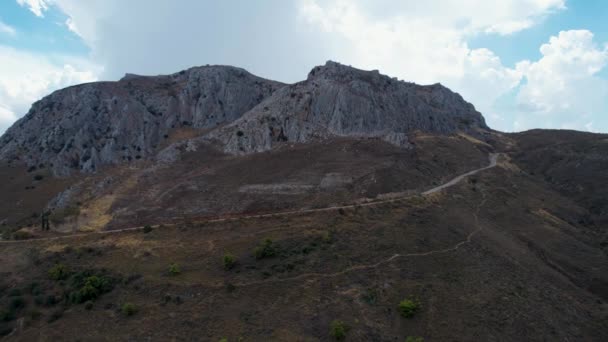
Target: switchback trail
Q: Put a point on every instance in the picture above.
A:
(492, 163)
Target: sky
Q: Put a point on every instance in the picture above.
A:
(523, 63)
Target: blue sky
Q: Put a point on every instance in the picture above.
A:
(523, 63)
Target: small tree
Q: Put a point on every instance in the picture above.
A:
(338, 329)
(128, 309)
(174, 269)
(414, 339)
(408, 308)
(229, 261)
(265, 249)
(58, 272)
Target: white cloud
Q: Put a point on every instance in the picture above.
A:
(7, 29)
(27, 77)
(38, 7)
(562, 88)
(425, 46)
(420, 41)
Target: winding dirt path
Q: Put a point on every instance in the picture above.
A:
(455, 247)
(492, 163)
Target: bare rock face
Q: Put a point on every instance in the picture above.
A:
(338, 100)
(86, 126)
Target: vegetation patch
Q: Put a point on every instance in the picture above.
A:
(408, 308)
(338, 330)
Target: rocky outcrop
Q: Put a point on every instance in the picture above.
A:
(86, 126)
(337, 100)
(91, 125)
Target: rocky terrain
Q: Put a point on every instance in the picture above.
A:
(215, 205)
(85, 127)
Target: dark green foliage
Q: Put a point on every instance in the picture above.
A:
(7, 315)
(38, 177)
(147, 228)
(35, 315)
(174, 269)
(265, 249)
(414, 339)
(88, 305)
(15, 292)
(89, 287)
(128, 309)
(338, 330)
(5, 330)
(17, 303)
(59, 272)
(50, 300)
(240, 133)
(229, 261)
(408, 308)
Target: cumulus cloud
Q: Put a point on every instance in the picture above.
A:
(418, 44)
(27, 77)
(420, 41)
(38, 7)
(562, 88)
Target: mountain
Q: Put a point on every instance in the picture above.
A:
(87, 126)
(212, 204)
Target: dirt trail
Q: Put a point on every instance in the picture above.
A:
(455, 247)
(492, 163)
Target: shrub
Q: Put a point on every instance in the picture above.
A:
(88, 305)
(88, 287)
(50, 300)
(38, 177)
(265, 249)
(14, 292)
(174, 269)
(229, 261)
(408, 308)
(35, 315)
(7, 315)
(22, 235)
(58, 272)
(147, 228)
(414, 339)
(128, 309)
(17, 303)
(338, 330)
(240, 133)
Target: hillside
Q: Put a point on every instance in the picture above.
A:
(347, 203)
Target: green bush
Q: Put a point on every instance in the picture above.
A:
(414, 339)
(174, 269)
(89, 287)
(265, 249)
(147, 228)
(229, 261)
(408, 308)
(128, 309)
(338, 330)
(59, 272)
